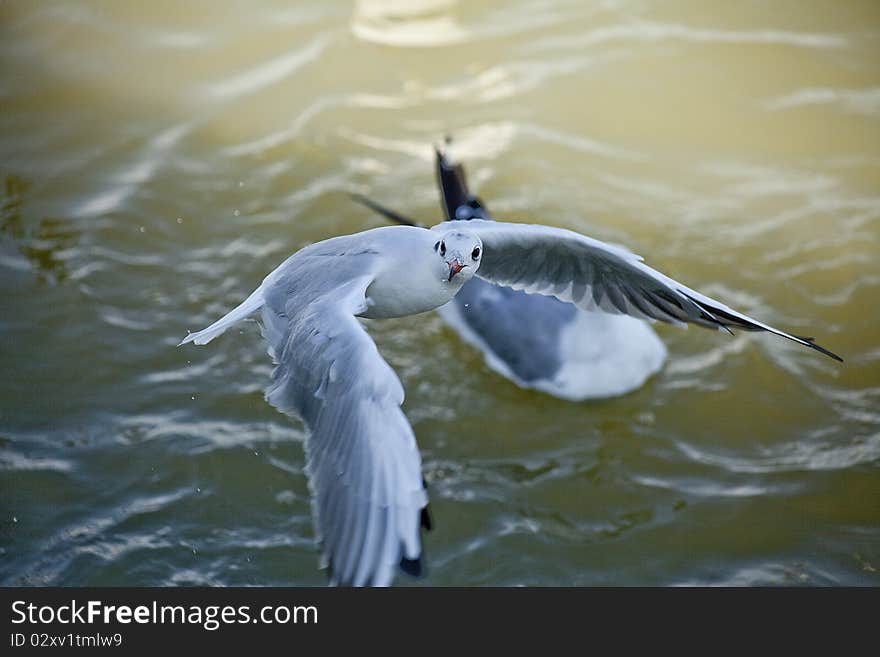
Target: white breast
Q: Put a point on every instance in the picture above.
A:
(413, 280)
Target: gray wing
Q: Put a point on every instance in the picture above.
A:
(363, 463)
(592, 274)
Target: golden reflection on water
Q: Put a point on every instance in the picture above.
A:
(158, 159)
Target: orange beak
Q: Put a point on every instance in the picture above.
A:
(454, 267)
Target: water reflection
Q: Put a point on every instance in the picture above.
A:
(14, 189)
(47, 245)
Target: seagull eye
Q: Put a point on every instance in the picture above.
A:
(476, 253)
(442, 248)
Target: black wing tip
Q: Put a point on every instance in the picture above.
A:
(445, 168)
(416, 567)
(440, 159)
(426, 520)
(715, 313)
(413, 567)
(452, 182)
(457, 202)
(811, 343)
(382, 210)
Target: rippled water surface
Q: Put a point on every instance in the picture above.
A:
(158, 159)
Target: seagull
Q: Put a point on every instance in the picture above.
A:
(537, 341)
(369, 499)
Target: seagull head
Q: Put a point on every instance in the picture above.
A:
(461, 253)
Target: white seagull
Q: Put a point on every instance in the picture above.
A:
(368, 497)
(535, 340)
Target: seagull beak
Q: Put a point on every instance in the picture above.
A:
(455, 266)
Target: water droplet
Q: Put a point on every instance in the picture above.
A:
(142, 229)
(198, 490)
(14, 519)
(180, 220)
(193, 397)
(236, 212)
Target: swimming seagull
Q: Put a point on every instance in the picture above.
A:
(368, 496)
(538, 341)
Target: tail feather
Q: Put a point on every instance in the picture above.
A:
(253, 303)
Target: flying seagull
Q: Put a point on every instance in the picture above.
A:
(538, 341)
(369, 500)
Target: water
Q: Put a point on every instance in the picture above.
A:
(156, 161)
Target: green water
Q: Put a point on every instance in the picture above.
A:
(157, 161)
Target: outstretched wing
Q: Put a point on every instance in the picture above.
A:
(593, 274)
(363, 463)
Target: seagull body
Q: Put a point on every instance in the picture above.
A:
(538, 341)
(368, 496)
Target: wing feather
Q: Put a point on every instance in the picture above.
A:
(362, 461)
(595, 275)
(362, 457)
